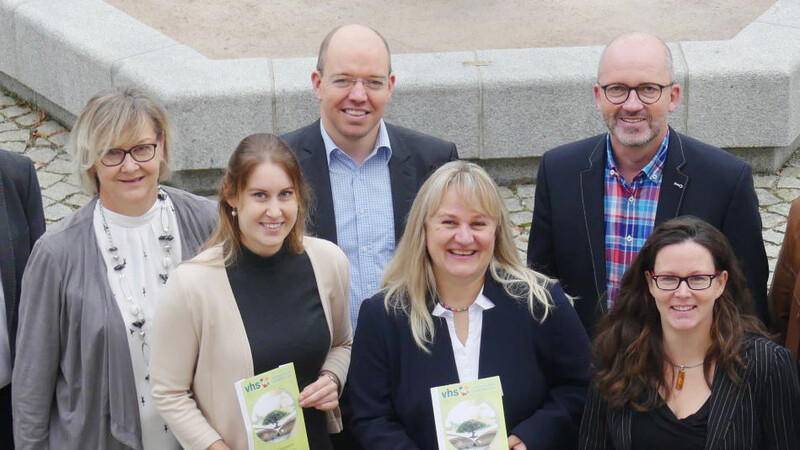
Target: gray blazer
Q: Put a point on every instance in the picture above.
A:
(73, 377)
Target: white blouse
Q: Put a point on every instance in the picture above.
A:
(467, 355)
(138, 244)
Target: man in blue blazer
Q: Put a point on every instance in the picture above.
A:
(363, 172)
(21, 223)
(597, 200)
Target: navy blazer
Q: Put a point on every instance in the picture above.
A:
(567, 237)
(414, 156)
(21, 224)
(543, 368)
(761, 414)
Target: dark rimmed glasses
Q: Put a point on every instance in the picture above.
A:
(140, 153)
(694, 282)
(649, 93)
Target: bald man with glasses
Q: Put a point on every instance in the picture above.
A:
(597, 200)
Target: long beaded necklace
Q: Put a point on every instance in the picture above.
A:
(119, 267)
(682, 373)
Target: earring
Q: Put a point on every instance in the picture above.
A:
(233, 212)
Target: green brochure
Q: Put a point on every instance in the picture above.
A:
(470, 415)
(272, 416)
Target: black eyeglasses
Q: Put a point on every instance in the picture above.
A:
(649, 93)
(694, 282)
(141, 153)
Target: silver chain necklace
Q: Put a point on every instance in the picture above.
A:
(137, 325)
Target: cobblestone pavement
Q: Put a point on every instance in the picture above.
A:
(26, 130)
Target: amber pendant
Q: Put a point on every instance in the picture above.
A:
(679, 381)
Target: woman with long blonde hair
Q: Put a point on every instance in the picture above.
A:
(457, 304)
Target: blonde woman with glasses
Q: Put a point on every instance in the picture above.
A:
(458, 304)
(81, 377)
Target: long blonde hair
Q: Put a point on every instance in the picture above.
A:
(408, 283)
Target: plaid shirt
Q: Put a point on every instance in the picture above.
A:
(630, 211)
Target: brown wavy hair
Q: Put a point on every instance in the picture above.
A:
(252, 151)
(628, 352)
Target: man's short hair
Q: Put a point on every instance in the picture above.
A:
(323, 48)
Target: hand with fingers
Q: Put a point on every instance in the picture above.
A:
(515, 443)
(322, 394)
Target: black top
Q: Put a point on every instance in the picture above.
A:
(283, 317)
(659, 429)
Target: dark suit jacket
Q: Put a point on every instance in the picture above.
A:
(543, 368)
(414, 157)
(567, 239)
(21, 223)
(762, 414)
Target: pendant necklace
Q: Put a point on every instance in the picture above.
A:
(137, 325)
(455, 310)
(682, 373)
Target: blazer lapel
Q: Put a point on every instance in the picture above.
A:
(592, 191)
(314, 161)
(489, 360)
(403, 177)
(674, 182)
(726, 399)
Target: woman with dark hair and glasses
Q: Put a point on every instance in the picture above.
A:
(679, 362)
(81, 377)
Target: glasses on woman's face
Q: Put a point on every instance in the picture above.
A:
(694, 282)
(140, 153)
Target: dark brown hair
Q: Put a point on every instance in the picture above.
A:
(628, 351)
(252, 151)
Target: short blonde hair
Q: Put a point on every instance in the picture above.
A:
(112, 119)
(408, 282)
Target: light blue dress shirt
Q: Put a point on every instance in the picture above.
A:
(362, 204)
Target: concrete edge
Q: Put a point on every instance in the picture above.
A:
(501, 107)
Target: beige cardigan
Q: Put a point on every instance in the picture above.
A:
(200, 348)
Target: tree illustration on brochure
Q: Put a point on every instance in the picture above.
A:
(471, 426)
(274, 417)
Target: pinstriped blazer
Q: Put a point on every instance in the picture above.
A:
(764, 413)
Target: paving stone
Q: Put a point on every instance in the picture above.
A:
(766, 197)
(14, 111)
(60, 165)
(7, 126)
(788, 182)
(49, 127)
(41, 154)
(56, 212)
(47, 179)
(61, 190)
(6, 100)
(78, 200)
(780, 208)
(28, 119)
(788, 194)
(772, 251)
(513, 204)
(521, 218)
(526, 190)
(773, 237)
(59, 139)
(15, 136)
(770, 220)
(790, 171)
(16, 147)
(764, 181)
(505, 192)
(47, 201)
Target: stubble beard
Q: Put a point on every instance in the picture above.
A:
(638, 139)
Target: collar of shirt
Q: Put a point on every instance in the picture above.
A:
(481, 302)
(653, 170)
(381, 142)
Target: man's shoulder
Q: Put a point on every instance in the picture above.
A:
(12, 164)
(703, 156)
(574, 153)
(299, 137)
(414, 140)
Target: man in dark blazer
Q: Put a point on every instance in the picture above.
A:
(354, 83)
(21, 223)
(598, 199)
